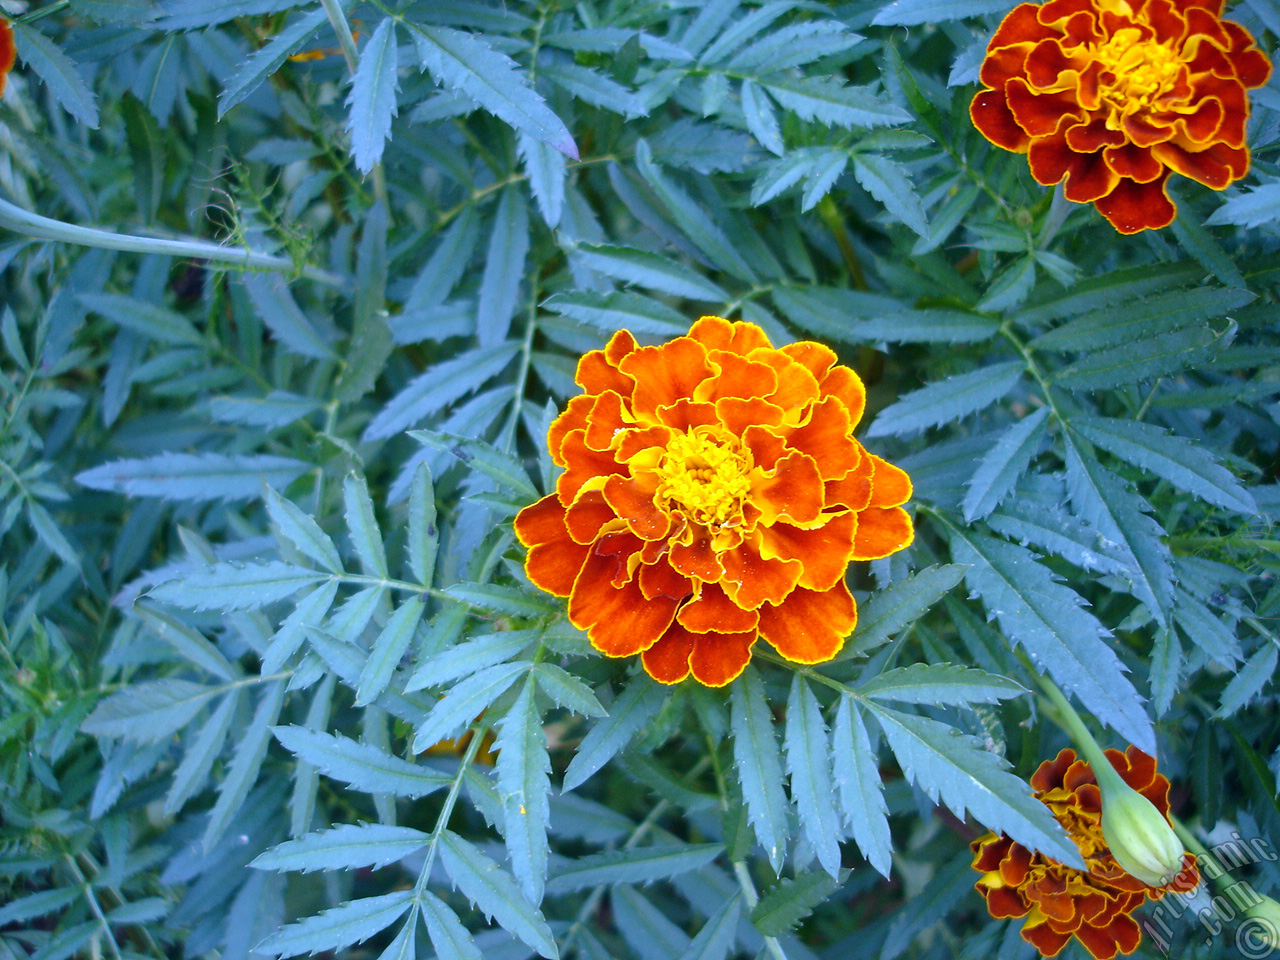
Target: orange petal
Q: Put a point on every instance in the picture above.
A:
(738, 414)
(766, 447)
(583, 465)
(738, 377)
(1132, 206)
(793, 490)
(1105, 942)
(752, 580)
(587, 517)
(881, 532)
(697, 558)
(827, 436)
(714, 612)
(716, 333)
(573, 418)
(890, 485)
(685, 414)
(554, 560)
(824, 551)
(1004, 63)
(665, 373)
(632, 500)
(598, 370)
(810, 626)
(661, 580)
(619, 621)
(853, 491)
(817, 358)
(718, 658)
(843, 383)
(667, 661)
(606, 419)
(1006, 902)
(1093, 136)
(796, 385)
(636, 439)
(541, 522)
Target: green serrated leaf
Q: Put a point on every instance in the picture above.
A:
(759, 764)
(791, 901)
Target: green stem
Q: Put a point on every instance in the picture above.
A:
(1066, 715)
(30, 224)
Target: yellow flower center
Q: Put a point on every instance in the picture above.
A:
(1136, 73)
(705, 473)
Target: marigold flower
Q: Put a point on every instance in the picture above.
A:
(8, 52)
(1058, 901)
(713, 493)
(1113, 95)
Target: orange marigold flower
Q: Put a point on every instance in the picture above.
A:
(1113, 95)
(712, 493)
(1060, 902)
(8, 52)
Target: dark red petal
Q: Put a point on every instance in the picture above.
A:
(994, 120)
(1041, 114)
(1132, 207)
(8, 52)
(1135, 163)
(1216, 167)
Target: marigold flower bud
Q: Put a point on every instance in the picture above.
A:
(1138, 835)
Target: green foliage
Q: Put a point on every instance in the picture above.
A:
(273, 679)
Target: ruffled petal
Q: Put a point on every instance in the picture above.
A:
(810, 626)
(619, 621)
(598, 370)
(824, 550)
(8, 52)
(714, 612)
(632, 499)
(716, 333)
(665, 374)
(792, 490)
(751, 580)
(827, 436)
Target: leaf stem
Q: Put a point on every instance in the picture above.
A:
(30, 224)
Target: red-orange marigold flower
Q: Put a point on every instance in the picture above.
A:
(713, 493)
(8, 52)
(1060, 902)
(1113, 95)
